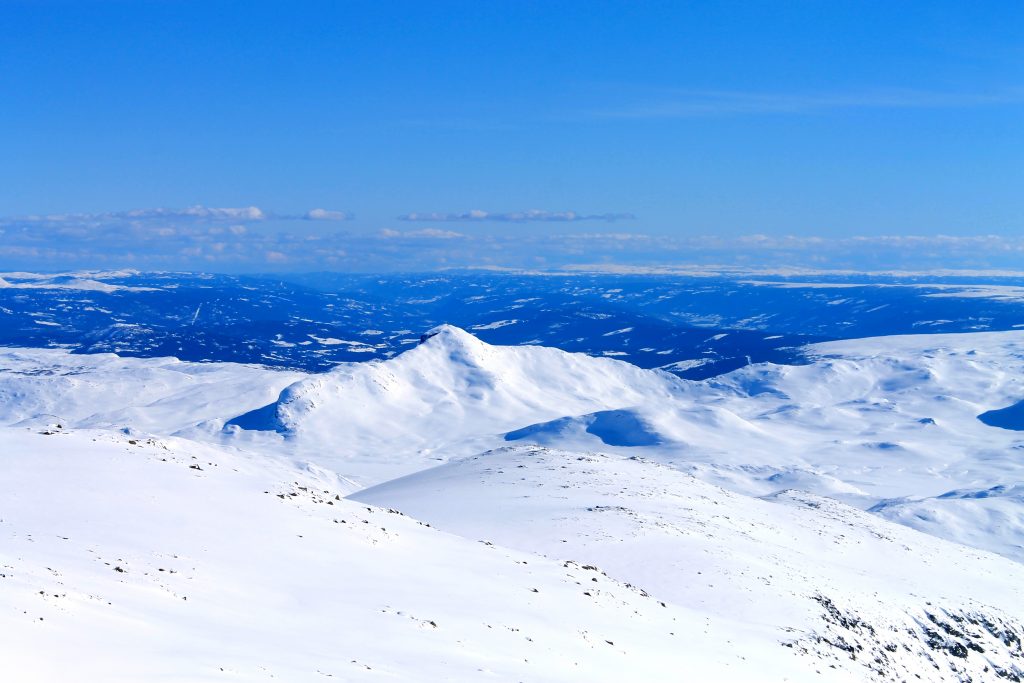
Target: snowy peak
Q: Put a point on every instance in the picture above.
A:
(450, 350)
(451, 389)
(460, 345)
(449, 335)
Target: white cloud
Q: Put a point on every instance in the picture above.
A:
(241, 240)
(326, 215)
(275, 257)
(432, 233)
(610, 236)
(141, 216)
(514, 216)
(167, 216)
(248, 213)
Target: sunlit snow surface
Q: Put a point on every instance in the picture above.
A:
(588, 519)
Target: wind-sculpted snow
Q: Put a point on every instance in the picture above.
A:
(612, 427)
(1010, 417)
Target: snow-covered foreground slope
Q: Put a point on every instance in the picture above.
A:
(166, 560)
(820, 577)
(161, 559)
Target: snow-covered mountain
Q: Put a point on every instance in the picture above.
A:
(889, 424)
(565, 517)
(449, 396)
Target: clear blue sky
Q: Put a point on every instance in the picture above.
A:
(667, 121)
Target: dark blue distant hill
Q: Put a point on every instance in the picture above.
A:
(696, 327)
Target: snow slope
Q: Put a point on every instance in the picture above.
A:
(127, 560)
(157, 395)
(780, 567)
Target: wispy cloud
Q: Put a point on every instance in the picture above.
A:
(247, 240)
(681, 103)
(896, 242)
(169, 216)
(532, 215)
(429, 233)
(326, 215)
(192, 214)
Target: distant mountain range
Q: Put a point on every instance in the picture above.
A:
(695, 326)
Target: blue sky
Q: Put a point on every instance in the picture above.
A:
(522, 134)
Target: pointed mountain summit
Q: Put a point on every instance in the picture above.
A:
(450, 334)
(451, 388)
